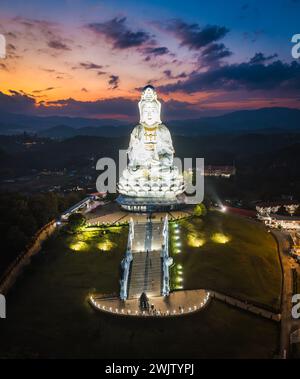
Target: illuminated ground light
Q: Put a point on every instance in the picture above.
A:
(220, 238)
(194, 241)
(79, 246)
(179, 287)
(176, 246)
(179, 277)
(105, 245)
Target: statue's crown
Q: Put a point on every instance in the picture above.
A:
(149, 93)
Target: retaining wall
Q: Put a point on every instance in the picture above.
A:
(16, 267)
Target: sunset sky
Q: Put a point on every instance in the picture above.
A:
(89, 58)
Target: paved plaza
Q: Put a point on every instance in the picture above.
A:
(176, 304)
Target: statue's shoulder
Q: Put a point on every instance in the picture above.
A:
(163, 128)
(137, 129)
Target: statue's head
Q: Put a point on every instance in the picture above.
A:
(149, 107)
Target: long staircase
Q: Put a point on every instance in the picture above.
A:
(146, 266)
(145, 275)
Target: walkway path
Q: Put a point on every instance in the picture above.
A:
(146, 266)
(286, 306)
(246, 306)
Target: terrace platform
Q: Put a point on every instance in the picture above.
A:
(178, 303)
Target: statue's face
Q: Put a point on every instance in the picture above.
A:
(150, 114)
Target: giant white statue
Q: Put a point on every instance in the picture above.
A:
(151, 173)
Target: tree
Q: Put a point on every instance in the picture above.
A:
(76, 221)
(200, 210)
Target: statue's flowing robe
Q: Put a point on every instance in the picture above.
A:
(161, 151)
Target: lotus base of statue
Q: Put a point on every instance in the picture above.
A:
(149, 205)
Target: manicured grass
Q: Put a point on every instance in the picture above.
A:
(64, 326)
(48, 315)
(226, 253)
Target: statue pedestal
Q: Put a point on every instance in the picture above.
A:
(151, 204)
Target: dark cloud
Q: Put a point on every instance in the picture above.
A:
(156, 50)
(50, 70)
(169, 75)
(193, 36)
(174, 109)
(119, 107)
(3, 66)
(260, 58)
(153, 51)
(11, 47)
(90, 66)
(19, 102)
(12, 35)
(114, 81)
(117, 32)
(276, 75)
(213, 53)
(44, 90)
(16, 102)
(58, 45)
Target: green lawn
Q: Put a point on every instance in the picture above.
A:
(226, 253)
(48, 314)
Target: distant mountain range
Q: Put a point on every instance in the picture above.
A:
(264, 119)
(268, 120)
(12, 122)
